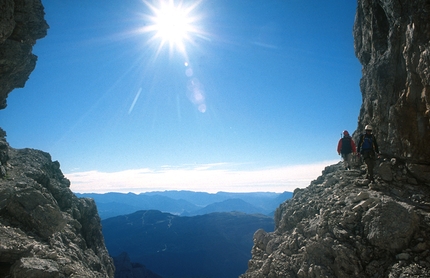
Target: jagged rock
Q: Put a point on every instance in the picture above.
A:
(391, 40)
(45, 230)
(35, 268)
(390, 225)
(21, 24)
(385, 171)
(344, 230)
(4, 153)
(420, 172)
(342, 225)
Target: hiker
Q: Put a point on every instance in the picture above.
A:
(368, 148)
(346, 148)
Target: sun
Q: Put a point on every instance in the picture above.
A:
(172, 24)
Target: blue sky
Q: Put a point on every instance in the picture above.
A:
(259, 89)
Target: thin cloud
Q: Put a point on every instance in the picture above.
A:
(206, 177)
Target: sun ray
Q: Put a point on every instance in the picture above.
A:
(172, 25)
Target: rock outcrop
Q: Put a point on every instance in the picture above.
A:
(45, 230)
(21, 24)
(392, 43)
(344, 226)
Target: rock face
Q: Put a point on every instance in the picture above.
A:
(21, 24)
(45, 230)
(344, 226)
(392, 44)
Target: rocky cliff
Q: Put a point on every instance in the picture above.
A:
(342, 225)
(45, 230)
(392, 43)
(21, 24)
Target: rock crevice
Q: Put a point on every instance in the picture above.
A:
(392, 43)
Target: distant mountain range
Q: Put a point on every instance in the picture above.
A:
(210, 245)
(186, 203)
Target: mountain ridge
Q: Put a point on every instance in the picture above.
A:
(210, 245)
(336, 227)
(186, 203)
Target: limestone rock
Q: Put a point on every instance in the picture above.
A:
(344, 230)
(392, 43)
(21, 24)
(45, 230)
(342, 226)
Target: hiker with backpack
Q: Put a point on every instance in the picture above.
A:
(368, 148)
(346, 147)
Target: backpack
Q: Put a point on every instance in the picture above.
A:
(367, 143)
(346, 145)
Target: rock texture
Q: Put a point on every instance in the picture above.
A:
(344, 226)
(45, 230)
(392, 43)
(21, 24)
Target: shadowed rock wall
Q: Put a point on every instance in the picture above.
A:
(45, 230)
(21, 24)
(392, 44)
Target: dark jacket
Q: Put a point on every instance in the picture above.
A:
(346, 145)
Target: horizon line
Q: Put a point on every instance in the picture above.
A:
(210, 178)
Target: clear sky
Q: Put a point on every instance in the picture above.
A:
(231, 95)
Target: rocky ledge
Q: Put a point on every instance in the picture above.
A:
(45, 230)
(22, 22)
(344, 226)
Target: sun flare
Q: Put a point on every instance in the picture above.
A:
(172, 24)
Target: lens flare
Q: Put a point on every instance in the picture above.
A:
(196, 94)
